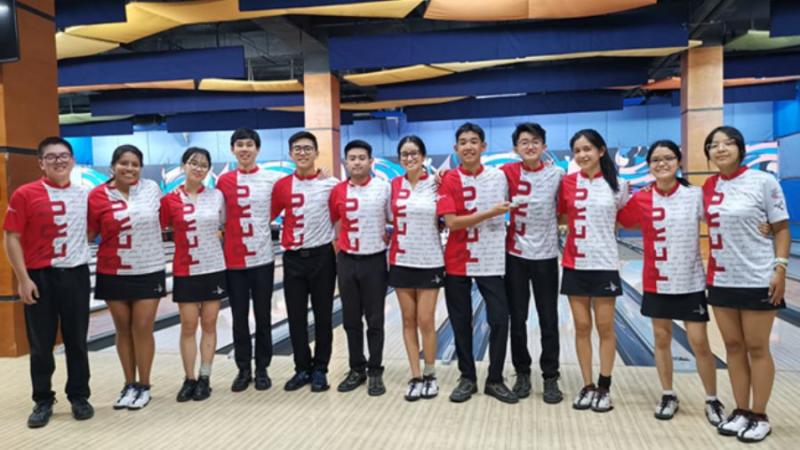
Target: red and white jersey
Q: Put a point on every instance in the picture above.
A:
(51, 222)
(670, 223)
(740, 256)
(591, 207)
(195, 225)
(129, 229)
(306, 218)
(362, 211)
(479, 250)
(248, 197)
(533, 231)
(416, 241)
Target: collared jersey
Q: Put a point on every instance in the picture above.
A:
(479, 250)
(51, 221)
(533, 231)
(591, 207)
(670, 223)
(362, 211)
(416, 241)
(129, 229)
(248, 197)
(195, 225)
(304, 202)
(740, 256)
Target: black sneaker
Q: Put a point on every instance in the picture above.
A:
(352, 381)
(203, 389)
(319, 381)
(241, 381)
(500, 391)
(297, 381)
(463, 390)
(376, 387)
(552, 394)
(187, 390)
(40, 415)
(263, 381)
(522, 387)
(82, 409)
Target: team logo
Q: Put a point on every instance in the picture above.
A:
(159, 288)
(436, 279)
(612, 287)
(219, 290)
(700, 310)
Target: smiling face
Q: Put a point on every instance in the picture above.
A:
(57, 163)
(196, 168)
(530, 148)
(724, 152)
(586, 155)
(245, 151)
(304, 154)
(411, 158)
(664, 164)
(127, 169)
(358, 163)
(469, 148)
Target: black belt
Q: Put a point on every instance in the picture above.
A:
(371, 255)
(309, 252)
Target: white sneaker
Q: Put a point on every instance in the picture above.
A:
(142, 398)
(414, 390)
(126, 397)
(756, 430)
(667, 408)
(735, 423)
(584, 398)
(430, 388)
(715, 412)
(602, 401)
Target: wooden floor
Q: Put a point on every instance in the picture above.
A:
(279, 420)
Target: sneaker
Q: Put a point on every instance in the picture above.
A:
(522, 387)
(82, 409)
(298, 380)
(715, 412)
(352, 381)
(203, 389)
(375, 386)
(262, 382)
(667, 408)
(552, 394)
(430, 388)
(241, 381)
(414, 390)
(40, 415)
(585, 398)
(187, 390)
(756, 430)
(736, 422)
(142, 398)
(501, 392)
(463, 390)
(602, 401)
(319, 381)
(126, 396)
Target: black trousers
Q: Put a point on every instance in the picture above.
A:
(255, 283)
(310, 273)
(542, 276)
(64, 298)
(362, 287)
(458, 296)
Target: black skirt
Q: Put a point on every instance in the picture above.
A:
(130, 287)
(591, 283)
(416, 278)
(742, 298)
(200, 288)
(689, 307)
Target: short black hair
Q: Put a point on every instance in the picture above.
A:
(528, 127)
(302, 135)
(52, 140)
(473, 127)
(245, 133)
(358, 143)
(732, 133)
(191, 151)
(414, 139)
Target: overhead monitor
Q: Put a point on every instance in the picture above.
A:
(9, 42)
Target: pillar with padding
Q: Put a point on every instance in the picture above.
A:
(28, 112)
(322, 117)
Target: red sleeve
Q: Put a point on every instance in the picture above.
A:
(164, 214)
(337, 198)
(95, 209)
(17, 214)
(630, 214)
(446, 204)
(280, 193)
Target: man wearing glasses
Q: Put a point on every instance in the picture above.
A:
(45, 241)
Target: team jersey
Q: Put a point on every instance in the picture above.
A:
(248, 197)
(478, 250)
(362, 211)
(130, 233)
(416, 241)
(670, 223)
(195, 225)
(306, 218)
(591, 208)
(740, 256)
(533, 231)
(51, 222)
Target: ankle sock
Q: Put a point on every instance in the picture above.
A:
(205, 370)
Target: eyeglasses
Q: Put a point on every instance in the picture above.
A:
(303, 149)
(717, 145)
(533, 143)
(198, 166)
(53, 157)
(665, 159)
(411, 155)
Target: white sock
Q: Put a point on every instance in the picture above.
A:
(711, 398)
(669, 392)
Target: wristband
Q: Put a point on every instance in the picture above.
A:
(784, 261)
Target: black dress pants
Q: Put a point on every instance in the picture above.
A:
(254, 283)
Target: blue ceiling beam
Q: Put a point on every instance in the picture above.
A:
(756, 93)
(784, 18)
(768, 65)
(174, 102)
(88, 12)
(110, 128)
